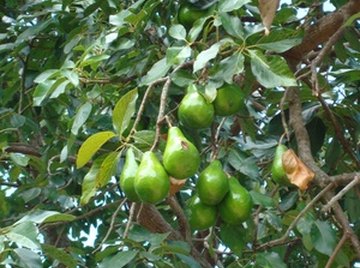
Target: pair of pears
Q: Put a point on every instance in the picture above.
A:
(216, 192)
(149, 182)
(196, 112)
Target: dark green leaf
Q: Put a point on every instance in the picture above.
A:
(323, 237)
(119, 260)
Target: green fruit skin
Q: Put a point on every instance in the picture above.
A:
(181, 159)
(189, 14)
(277, 169)
(237, 204)
(228, 101)
(195, 112)
(201, 216)
(152, 183)
(213, 184)
(127, 177)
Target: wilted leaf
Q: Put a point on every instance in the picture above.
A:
(267, 11)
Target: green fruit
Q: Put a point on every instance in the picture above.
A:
(181, 158)
(127, 177)
(237, 204)
(188, 14)
(213, 184)
(201, 216)
(229, 100)
(277, 169)
(152, 183)
(195, 112)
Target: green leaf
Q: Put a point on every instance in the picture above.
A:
(233, 237)
(269, 260)
(190, 261)
(231, 66)
(46, 75)
(280, 41)
(232, 25)
(58, 88)
(41, 91)
(71, 76)
(246, 165)
(64, 217)
(37, 216)
(230, 5)
(20, 159)
(271, 71)
(205, 56)
(91, 146)
(60, 255)
(28, 258)
(81, 116)
(88, 187)
(177, 31)
(107, 169)
(158, 70)
(124, 110)
(323, 237)
(119, 260)
(288, 200)
(196, 29)
(261, 199)
(177, 55)
(24, 235)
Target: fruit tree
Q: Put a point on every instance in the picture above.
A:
(179, 133)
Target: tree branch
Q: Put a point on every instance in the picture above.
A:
(336, 250)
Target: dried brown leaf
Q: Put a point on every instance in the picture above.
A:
(267, 11)
(297, 172)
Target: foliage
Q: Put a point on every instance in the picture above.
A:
(82, 81)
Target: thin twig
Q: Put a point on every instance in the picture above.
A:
(161, 114)
(283, 116)
(336, 250)
(183, 222)
(112, 224)
(130, 219)
(281, 240)
(319, 58)
(340, 194)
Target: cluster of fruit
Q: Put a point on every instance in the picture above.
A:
(150, 180)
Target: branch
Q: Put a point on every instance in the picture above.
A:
(283, 239)
(320, 32)
(22, 148)
(336, 250)
(183, 222)
(344, 178)
(340, 194)
(130, 219)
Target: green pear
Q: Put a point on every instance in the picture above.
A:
(127, 177)
(152, 183)
(181, 158)
(277, 169)
(201, 216)
(237, 204)
(195, 111)
(213, 184)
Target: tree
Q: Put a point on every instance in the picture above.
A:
(83, 81)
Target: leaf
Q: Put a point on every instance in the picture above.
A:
(107, 169)
(232, 25)
(271, 71)
(119, 260)
(46, 75)
(71, 76)
(124, 110)
(246, 165)
(37, 216)
(288, 200)
(91, 146)
(261, 199)
(60, 255)
(41, 91)
(206, 55)
(88, 187)
(231, 66)
(280, 41)
(24, 235)
(81, 116)
(177, 55)
(267, 11)
(58, 88)
(177, 31)
(230, 5)
(196, 29)
(269, 260)
(323, 237)
(158, 70)
(62, 217)
(28, 258)
(233, 237)
(19, 159)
